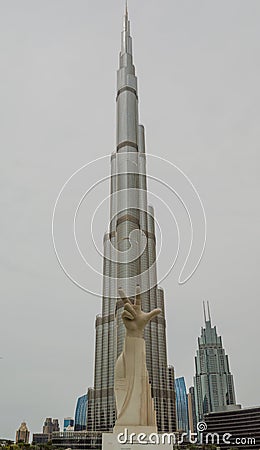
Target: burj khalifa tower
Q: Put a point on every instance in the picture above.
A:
(129, 260)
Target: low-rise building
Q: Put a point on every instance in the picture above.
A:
(239, 428)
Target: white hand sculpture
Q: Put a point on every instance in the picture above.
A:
(133, 317)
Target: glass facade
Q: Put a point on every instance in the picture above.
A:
(181, 405)
(68, 423)
(80, 423)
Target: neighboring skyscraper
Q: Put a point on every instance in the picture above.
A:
(129, 213)
(81, 413)
(181, 405)
(22, 434)
(192, 410)
(213, 381)
(50, 425)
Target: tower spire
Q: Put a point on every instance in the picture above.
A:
(126, 38)
(204, 311)
(127, 98)
(209, 318)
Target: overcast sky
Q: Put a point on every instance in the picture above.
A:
(198, 68)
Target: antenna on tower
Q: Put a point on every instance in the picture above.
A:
(204, 310)
(209, 311)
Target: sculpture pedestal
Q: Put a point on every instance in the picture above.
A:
(115, 441)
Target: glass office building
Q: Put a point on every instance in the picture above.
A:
(68, 423)
(181, 405)
(80, 422)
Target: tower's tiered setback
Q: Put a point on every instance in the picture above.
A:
(129, 213)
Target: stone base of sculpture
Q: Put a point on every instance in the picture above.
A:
(114, 441)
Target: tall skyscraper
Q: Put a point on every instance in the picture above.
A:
(22, 434)
(129, 214)
(213, 381)
(81, 413)
(181, 405)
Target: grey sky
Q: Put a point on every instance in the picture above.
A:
(199, 69)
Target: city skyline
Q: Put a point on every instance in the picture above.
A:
(51, 121)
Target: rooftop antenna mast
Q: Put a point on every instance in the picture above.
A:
(204, 310)
(209, 312)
